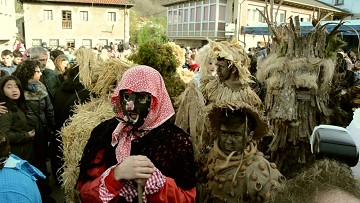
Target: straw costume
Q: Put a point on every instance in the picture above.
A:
(244, 176)
(298, 74)
(236, 88)
(191, 102)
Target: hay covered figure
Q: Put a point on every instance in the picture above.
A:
(138, 147)
(233, 75)
(234, 170)
(298, 74)
(191, 102)
(231, 84)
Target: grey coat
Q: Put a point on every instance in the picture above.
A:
(40, 111)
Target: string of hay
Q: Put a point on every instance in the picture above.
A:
(75, 135)
(189, 115)
(113, 69)
(216, 91)
(185, 74)
(178, 52)
(88, 69)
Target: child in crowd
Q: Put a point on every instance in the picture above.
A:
(17, 57)
(194, 66)
(14, 122)
(7, 64)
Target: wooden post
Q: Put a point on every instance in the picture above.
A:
(140, 190)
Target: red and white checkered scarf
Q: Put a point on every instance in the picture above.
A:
(138, 79)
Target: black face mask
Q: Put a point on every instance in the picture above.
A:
(135, 106)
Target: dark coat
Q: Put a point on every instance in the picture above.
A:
(40, 111)
(51, 82)
(69, 93)
(16, 128)
(66, 96)
(40, 116)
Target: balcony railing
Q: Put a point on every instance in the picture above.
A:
(66, 24)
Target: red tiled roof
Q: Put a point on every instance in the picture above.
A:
(107, 2)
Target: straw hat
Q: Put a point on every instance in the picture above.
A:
(214, 111)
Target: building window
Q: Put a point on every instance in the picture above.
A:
(87, 43)
(302, 17)
(254, 16)
(280, 18)
(170, 17)
(70, 43)
(222, 12)
(53, 43)
(84, 16)
(339, 2)
(112, 16)
(66, 19)
(48, 15)
(36, 42)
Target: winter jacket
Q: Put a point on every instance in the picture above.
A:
(51, 82)
(16, 128)
(69, 93)
(40, 113)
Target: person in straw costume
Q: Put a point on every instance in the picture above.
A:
(233, 75)
(138, 147)
(298, 74)
(234, 170)
(231, 84)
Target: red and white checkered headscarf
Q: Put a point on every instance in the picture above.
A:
(139, 79)
(146, 79)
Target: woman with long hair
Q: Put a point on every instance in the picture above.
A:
(14, 123)
(40, 115)
(61, 64)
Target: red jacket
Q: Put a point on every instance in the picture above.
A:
(89, 191)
